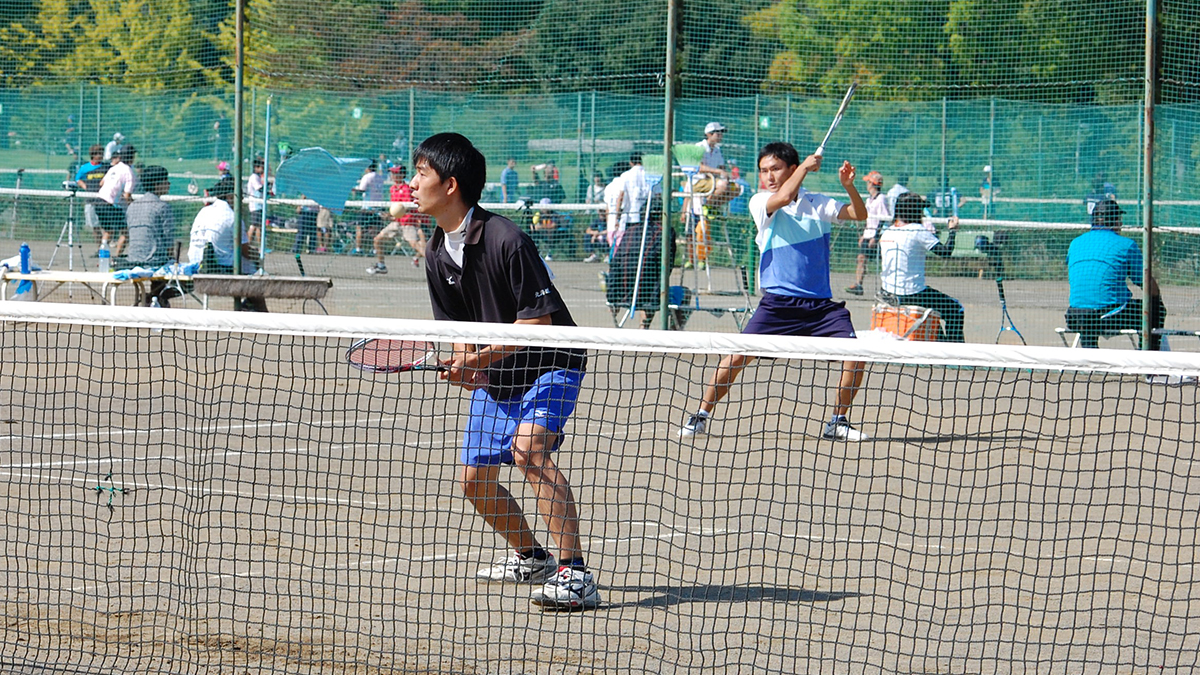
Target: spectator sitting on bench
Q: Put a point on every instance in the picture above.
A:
(211, 243)
(902, 248)
(1100, 262)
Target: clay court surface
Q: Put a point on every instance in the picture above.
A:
(195, 502)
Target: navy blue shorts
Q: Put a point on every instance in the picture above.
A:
(803, 317)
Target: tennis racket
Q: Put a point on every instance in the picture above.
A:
(837, 118)
(398, 356)
(393, 356)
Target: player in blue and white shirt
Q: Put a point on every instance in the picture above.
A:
(794, 228)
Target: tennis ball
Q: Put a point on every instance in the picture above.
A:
(397, 209)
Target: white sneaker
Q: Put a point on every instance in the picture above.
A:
(591, 258)
(519, 570)
(694, 426)
(569, 589)
(842, 431)
(377, 269)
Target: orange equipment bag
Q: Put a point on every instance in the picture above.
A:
(907, 321)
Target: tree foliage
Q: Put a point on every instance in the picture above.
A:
(1050, 50)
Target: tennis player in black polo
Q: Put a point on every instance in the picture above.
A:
(482, 267)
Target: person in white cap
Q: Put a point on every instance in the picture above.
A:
(989, 189)
(114, 146)
(711, 185)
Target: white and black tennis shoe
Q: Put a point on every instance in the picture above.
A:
(569, 589)
(695, 426)
(842, 431)
(519, 570)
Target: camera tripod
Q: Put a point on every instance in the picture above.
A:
(68, 233)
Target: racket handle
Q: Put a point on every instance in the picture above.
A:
(820, 151)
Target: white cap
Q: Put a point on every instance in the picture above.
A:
(713, 127)
(118, 137)
(987, 169)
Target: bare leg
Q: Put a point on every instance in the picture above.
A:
(481, 485)
(848, 386)
(533, 457)
(860, 269)
(727, 372)
(378, 243)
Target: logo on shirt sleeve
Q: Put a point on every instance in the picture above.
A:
(542, 293)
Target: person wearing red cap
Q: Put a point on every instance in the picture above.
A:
(878, 216)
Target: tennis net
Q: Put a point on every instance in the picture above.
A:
(208, 491)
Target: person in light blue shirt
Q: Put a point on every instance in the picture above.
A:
(1100, 263)
(794, 236)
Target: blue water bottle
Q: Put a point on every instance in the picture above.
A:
(25, 258)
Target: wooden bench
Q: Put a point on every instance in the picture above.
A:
(261, 286)
(1128, 332)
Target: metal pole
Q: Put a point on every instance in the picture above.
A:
(97, 114)
(592, 161)
(262, 240)
(1172, 163)
(787, 121)
(1041, 164)
(757, 126)
(668, 139)
(254, 123)
(945, 186)
(580, 181)
(987, 209)
(412, 117)
(1148, 173)
(916, 132)
(238, 188)
(79, 132)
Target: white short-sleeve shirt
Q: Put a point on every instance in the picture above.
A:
(119, 179)
(878, 215)
(794, 242)
(902, 252)
(213, 223)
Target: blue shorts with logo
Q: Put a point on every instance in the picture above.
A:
(488, 438)
(803, 317)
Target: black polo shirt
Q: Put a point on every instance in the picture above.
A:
(502, 279)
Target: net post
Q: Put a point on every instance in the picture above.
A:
(668, 139)
(238, 224)
(1148, 298)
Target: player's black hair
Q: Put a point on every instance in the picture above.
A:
(153, 175)
(452, 155)
(258, 161)
(784, 152)
(635, 158)
(1106, 214)
(910, 207)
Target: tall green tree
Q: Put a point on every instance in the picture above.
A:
(141, 44)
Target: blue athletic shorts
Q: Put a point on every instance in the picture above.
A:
(804, 317)
(487, 440)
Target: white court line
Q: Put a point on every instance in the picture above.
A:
(192, 429)
(674, 533)
(91, 482)
(210, 454)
